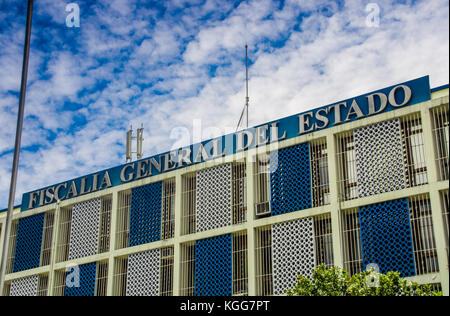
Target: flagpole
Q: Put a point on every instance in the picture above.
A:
(15, 167)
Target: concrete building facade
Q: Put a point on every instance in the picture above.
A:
(359, 183)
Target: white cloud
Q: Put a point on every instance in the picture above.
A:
(125, 53)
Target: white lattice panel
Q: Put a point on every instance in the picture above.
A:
(379, 158)
(213, 203)
(24, 287)
(292, 253)
(143, 273)
(84, 231)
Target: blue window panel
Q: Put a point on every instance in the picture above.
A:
(290, 179)
(145, 214)
(386, 237)
(87, 281)
(29, 243)
(213, 266)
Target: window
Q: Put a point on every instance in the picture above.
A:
(425, 253)
(324, 240)
(348, 188)
(263, 251)
(189, 183)
(319, 173)
(12, 246)
(240, 264)
(120, 276)
(42, 285)
(262, 184)
(166, 272)
(441, 139)
(353, 262)
(101, 279)
(168, 210)
(239, 192)
(188, 269)
(444, 201)
(123, 220)
(47, 238)
(412, 135)
(105, 222)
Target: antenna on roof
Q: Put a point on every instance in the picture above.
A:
(139, 140)
(247, 99)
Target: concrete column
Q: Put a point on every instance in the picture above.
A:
(335, 201)
(112, 244)
(177, 245)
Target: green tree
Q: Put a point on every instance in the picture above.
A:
(337, 282)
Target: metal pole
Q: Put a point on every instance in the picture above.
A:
(246, 81)
(12, 189)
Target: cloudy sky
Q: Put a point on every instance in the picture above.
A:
(172, 65)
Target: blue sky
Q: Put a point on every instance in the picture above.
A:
(176, 65)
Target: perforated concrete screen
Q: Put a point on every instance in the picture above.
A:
(143, 273)
(379, 158)
(145, 214)
(386, 237)
(86, 282)
(293, 253)
(213, 204)
(213, 266)
(29, 243)
(25, 286)
(84, 229)
(290, 179)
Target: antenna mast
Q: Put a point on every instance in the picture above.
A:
(139, 139)
(247, 99)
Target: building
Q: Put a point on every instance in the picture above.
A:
(358, 182)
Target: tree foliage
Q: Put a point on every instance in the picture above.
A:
(337, 282)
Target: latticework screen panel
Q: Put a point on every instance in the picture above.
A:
(293, 253)
(213, 266)
(386, 237)
(379, 158)
(290, 179)
(213, 202)
(143, 273)
(84, 231)
(29, 243)
(145, 214)
(87, 278)
(24, 287)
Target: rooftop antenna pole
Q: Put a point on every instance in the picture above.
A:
(247, 99)
(15, 167)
